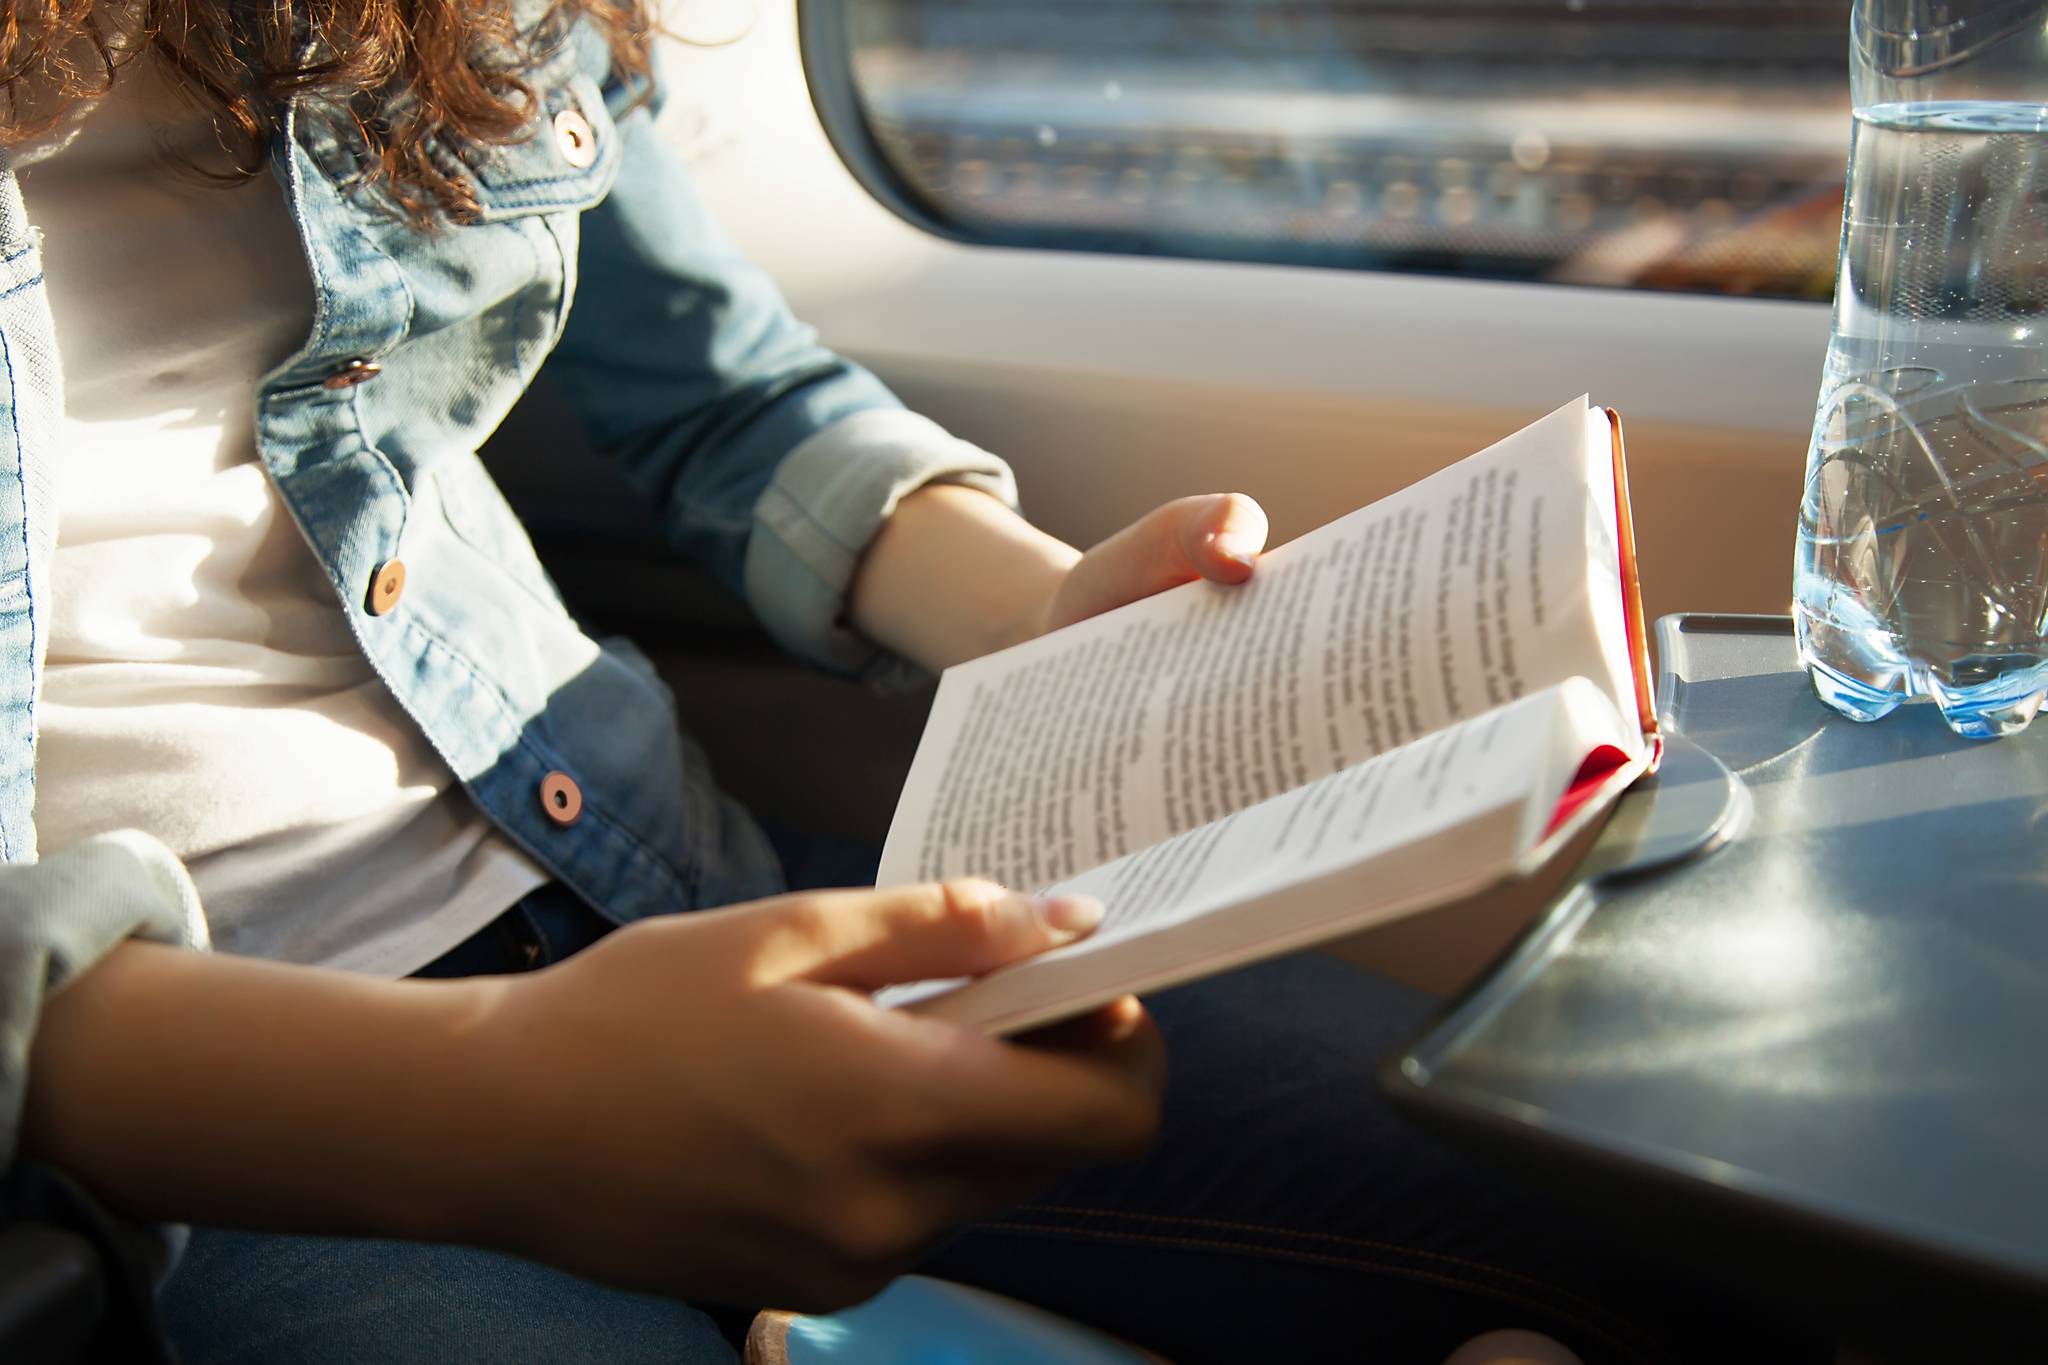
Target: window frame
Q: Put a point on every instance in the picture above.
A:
(825, 46)
(825, 50)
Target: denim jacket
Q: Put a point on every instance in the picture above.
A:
(768, 458)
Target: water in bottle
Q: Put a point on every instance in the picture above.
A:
(1922, 565)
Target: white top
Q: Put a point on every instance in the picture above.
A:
(202, 683)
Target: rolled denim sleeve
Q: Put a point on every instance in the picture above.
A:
(770, 458)
(61, 915)
(828, 498)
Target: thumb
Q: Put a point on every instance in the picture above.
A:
(865, 940)
(1216, 536)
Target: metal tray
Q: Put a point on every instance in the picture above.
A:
(1793, 1015)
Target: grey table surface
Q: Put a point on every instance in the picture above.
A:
(1802, 990)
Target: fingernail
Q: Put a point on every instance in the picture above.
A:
(1230, 547)
(1070, 915)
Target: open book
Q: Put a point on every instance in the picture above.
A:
(1413, 704)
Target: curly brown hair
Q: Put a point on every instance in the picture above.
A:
(402, 75)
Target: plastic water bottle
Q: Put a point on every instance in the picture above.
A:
(1922, 566)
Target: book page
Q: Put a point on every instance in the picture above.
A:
(1434, 783)
(1461, 593)
(1493, 780)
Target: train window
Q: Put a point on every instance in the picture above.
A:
(1677, 144)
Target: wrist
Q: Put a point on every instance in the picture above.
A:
(1038, 590)
(480, 1134)
(955, 574)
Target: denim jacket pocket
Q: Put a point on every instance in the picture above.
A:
(567, 159)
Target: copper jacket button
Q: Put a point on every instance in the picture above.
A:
(561, 798)
(574, 136)
(387, 585)
(352, 373)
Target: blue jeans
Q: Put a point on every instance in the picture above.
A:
(1286, 1213)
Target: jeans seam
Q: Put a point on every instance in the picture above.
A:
(549, 954)
(1584, 1304)
(1582, 1316)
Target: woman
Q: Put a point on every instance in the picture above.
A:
(269, 611)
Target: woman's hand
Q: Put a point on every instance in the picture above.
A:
(1217, 536)
(704, 1104)
(717, 1110)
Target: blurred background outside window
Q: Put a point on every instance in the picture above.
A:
(1664, 144)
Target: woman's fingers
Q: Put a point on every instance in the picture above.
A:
(1217, 536)
(867, 939)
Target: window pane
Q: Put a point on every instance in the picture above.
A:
(1677, 144)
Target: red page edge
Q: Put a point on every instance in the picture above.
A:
(1593, 774)
(1632, 595)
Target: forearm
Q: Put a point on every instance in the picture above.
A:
(208, 1088)
(954, 574)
